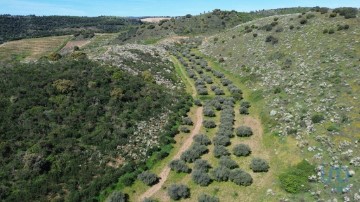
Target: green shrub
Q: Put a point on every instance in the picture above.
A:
(179, 166)
(117, 196)
(317, 118)
(151, 27)
(209, 124)
(220, 151)
(244, 131)
(184, 129)
(255, 35)
(240, 177)
(201, 178)
(325, 31)
(202, 139)
(271, 39)
(187, 121)
(241, 150)
(291, 27)
(221, 140)
(331, 31)
(295, 179)
(201, 164)
(347, 12)
(303, 21)
(148, 178)
(259, 165)
(332, 15)
(221, 174)
(207, 198)
(228, 162)
(178, 191)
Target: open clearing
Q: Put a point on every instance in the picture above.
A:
(154, 20)
(31, 49)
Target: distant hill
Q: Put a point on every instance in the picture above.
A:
(19, 27)
(207, 23)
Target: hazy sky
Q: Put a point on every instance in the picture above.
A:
(152, 7)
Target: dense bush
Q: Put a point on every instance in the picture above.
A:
(228, 162)
(194, 152)
(209, 124)
(259, 165)
(184, 129)
(255, 35)
(295, 179)
(303, 21)
(240, 177)
(220, 151)
(244, 131)
(208, 112)
(242, 150)
(207, 198)
(317, 118)
(221, 140)
(347, 12)
(221, 173)
(179, 166)
(331, 31)
(198, 103)
(271, 39)
(201, 178)
(332, 15)
(244, 110)
(201, 164)
(148, 178)
(117, 196)
(178, 191)
(202, 139)
(187, 121)
(219, 91)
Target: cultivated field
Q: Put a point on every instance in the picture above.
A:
(31, 49)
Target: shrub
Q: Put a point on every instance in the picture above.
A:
(332, 15)
(347, 12)
(259, 165)
(178, 191)
(331, 31)
(280, 29)
(209, 124)
(276, 19)
(271, 39)
(221, 173)
(195, 152)
(291, 27)
(295, 179)
(245, 104)
(255, 35)
(303, 21)
(202, 139)
(243, 131)
(346, 26)
(240, 177)
(273, 24)
(151, 27)
(117, 196)
(326, 31)
(218, 91)
(228, 162)
(179, 166)
(201, 178)
(185, 130)
(187, 121)
(207, 198)
(310, 15)
(148, 178)
(149, 200)
(208, 112)
(242, 150)
(317, 118)
(244, 110)
(220, 151)
(198, 102)
(201, 164)
(221, 140)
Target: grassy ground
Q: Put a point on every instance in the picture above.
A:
(31, 49)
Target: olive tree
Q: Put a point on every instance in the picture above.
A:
(178, 191)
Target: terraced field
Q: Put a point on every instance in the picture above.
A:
(31, 49)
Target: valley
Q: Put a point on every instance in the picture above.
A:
(221, 106)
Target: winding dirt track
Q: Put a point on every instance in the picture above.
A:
(165, 172)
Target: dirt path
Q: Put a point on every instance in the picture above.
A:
(165, 172)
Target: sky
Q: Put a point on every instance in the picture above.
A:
(153, 7)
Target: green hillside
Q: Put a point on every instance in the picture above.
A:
(304, 69)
